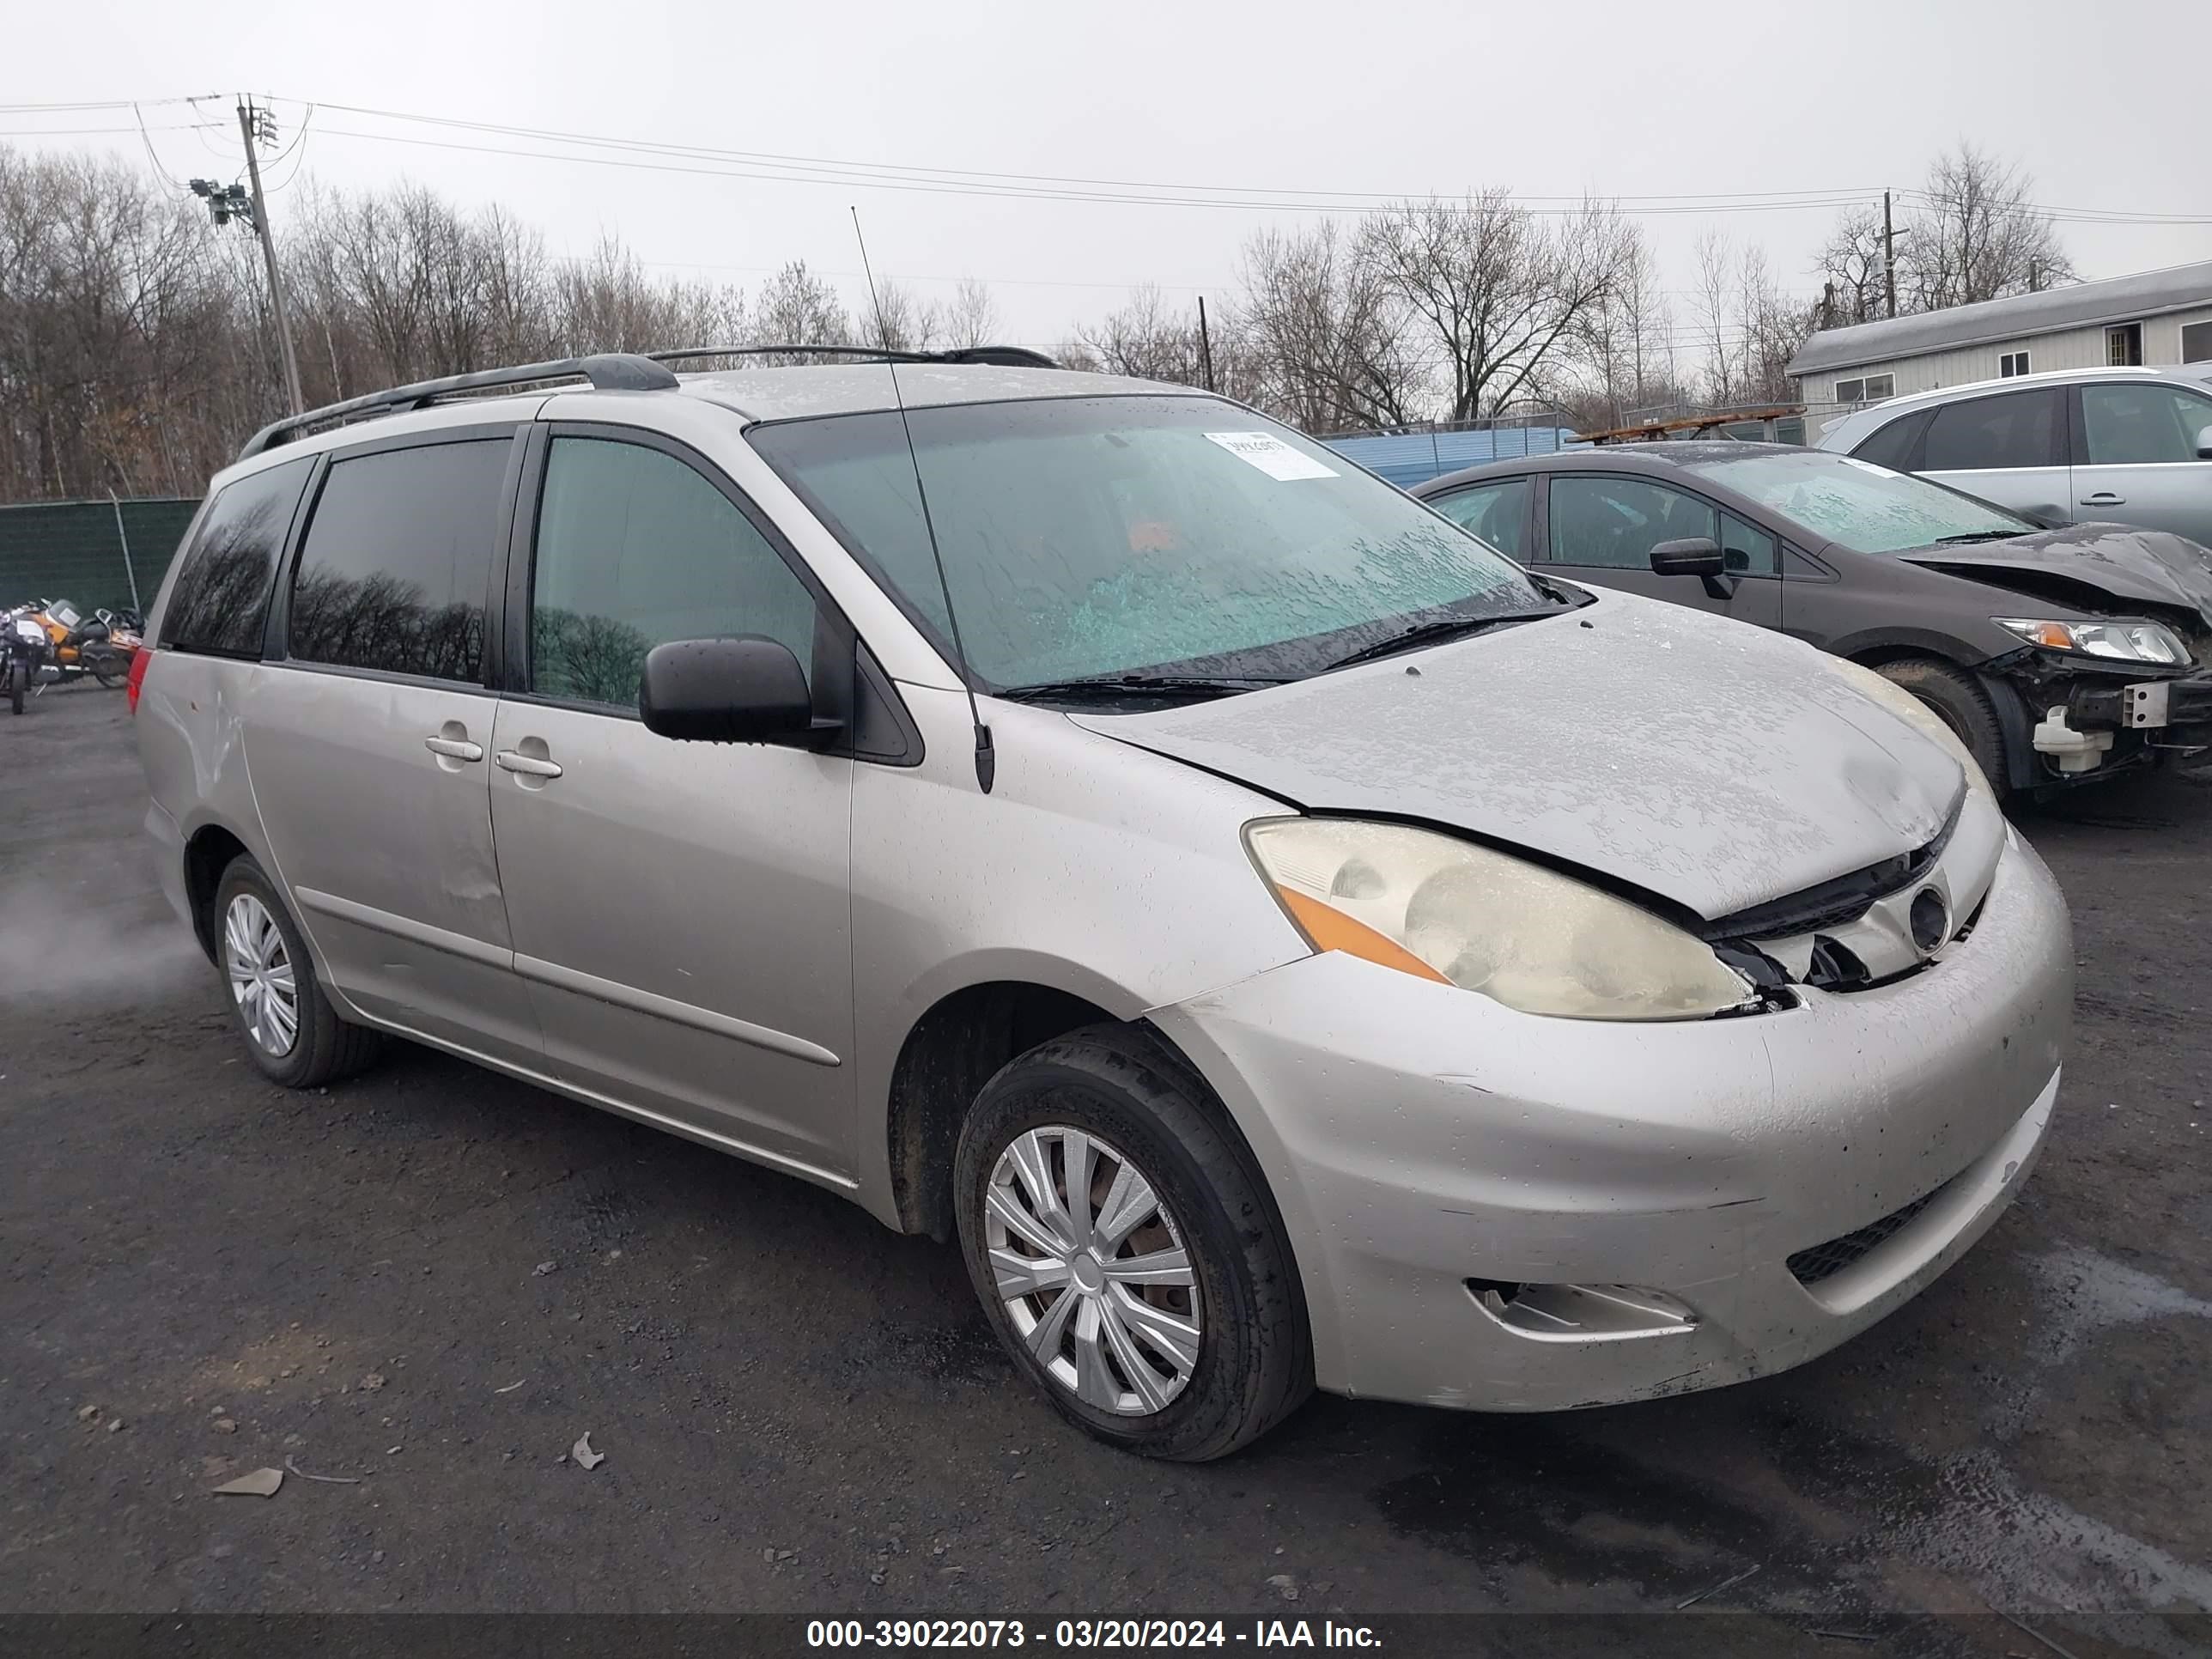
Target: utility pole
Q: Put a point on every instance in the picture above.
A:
(1888, 255)
(2034, 285)
(249, 122)
(1204, 343)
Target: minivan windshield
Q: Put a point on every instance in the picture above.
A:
(1865, 507)
(1122, 537)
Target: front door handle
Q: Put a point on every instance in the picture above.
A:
(514, 760)
(454, 748)
(2104, 498)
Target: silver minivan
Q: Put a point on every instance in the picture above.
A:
(1285, 941)
(2112, 446)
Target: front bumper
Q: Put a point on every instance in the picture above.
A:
(1417, 1137)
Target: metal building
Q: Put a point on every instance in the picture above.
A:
(2155, 318)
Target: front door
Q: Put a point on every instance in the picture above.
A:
(369, 742)
(2138, 461)
(680, 910)
(1601, 528)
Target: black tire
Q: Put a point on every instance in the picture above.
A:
(323, 1047)
(110, 668)
(1962, 703)
(1255, 1364)
(18, 682)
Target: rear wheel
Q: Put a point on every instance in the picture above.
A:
(1959, 700)
(294, 1034)
(111, 668)
(1125, 1249)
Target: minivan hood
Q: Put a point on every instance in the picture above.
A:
(2139, 566)
(1708, 762)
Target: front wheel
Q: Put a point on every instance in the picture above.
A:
(18, 682)
(1957, 699)
(1126, 1251)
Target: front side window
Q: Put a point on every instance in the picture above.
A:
(1859, 505)
(1616, 522)
(2142, 424)
(634, 548)
(1101, 536)
(1747, 549)
(395, 570)
(2020, 428)
(1498, 513)
(220, 599)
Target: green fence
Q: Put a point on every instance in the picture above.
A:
(91, 553)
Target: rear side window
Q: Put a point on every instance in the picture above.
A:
(220, 599)
(397, 565)
(2021, 429)
(1892, 446)
(1498, 513)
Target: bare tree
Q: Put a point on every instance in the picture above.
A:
(1849, 263)
(1501, 300)
(973, 319)
(797, 308)
(896, 320)
(1974, 234)
(1330, 339)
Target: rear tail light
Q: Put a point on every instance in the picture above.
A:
(145, 654)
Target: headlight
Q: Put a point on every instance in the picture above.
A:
(1915, 712)
(1445, 909)
(2122, 641)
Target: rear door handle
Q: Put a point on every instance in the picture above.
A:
(454, 748)
(2104, 498)
(514, 760)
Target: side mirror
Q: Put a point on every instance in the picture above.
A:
(1694, 555)
(2204, 444)
(2045, 517)
(742, 690)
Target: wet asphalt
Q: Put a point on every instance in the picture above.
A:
(432, 1280)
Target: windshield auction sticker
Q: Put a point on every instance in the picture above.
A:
(1271, 455)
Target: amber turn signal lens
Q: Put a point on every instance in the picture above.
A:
(1329, 929)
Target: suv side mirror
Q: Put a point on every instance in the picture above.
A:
(747, 689)
(2045, 517)
(1694, 555)
(2204, 444)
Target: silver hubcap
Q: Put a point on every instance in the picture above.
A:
(260, 970)
(1092, 1269)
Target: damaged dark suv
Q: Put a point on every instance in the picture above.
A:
(2056, 655)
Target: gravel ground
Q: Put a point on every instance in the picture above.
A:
(433, 1280)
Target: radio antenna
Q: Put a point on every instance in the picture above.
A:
(987, 760)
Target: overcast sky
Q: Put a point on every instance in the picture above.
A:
(2105, 106)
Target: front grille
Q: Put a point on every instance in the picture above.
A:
(1819, 1262)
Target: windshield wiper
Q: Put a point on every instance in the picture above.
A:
(1975, 535)
(1107, 687)
(1433, 633)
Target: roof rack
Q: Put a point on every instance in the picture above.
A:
(612, 370)
(1653, 431)
(1003, 356)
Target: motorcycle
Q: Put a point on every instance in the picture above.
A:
(82, 645)
(24, 648)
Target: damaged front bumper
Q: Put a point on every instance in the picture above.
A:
(2091, 718)
(1509, 1212)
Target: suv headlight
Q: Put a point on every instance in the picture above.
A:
(2120, 641)
(1445, 909)
(1915, 714)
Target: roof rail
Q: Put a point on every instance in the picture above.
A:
(612, 370)
(1005, 356)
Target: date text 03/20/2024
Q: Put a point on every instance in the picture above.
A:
(1085, 1633)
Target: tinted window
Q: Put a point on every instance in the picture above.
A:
(220, 599)
(2135, 425)
(1090, 536)
(2019, 429)
(1748, 549)
(1498, 513)
(2196, 343)
(1616, 522)
(398, 562)
(1892, 446)
(634, 548)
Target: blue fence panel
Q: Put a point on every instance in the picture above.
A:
(1410, 458)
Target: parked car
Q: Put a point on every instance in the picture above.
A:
(2053, 655)
(1285, 942)
(2130, 446)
